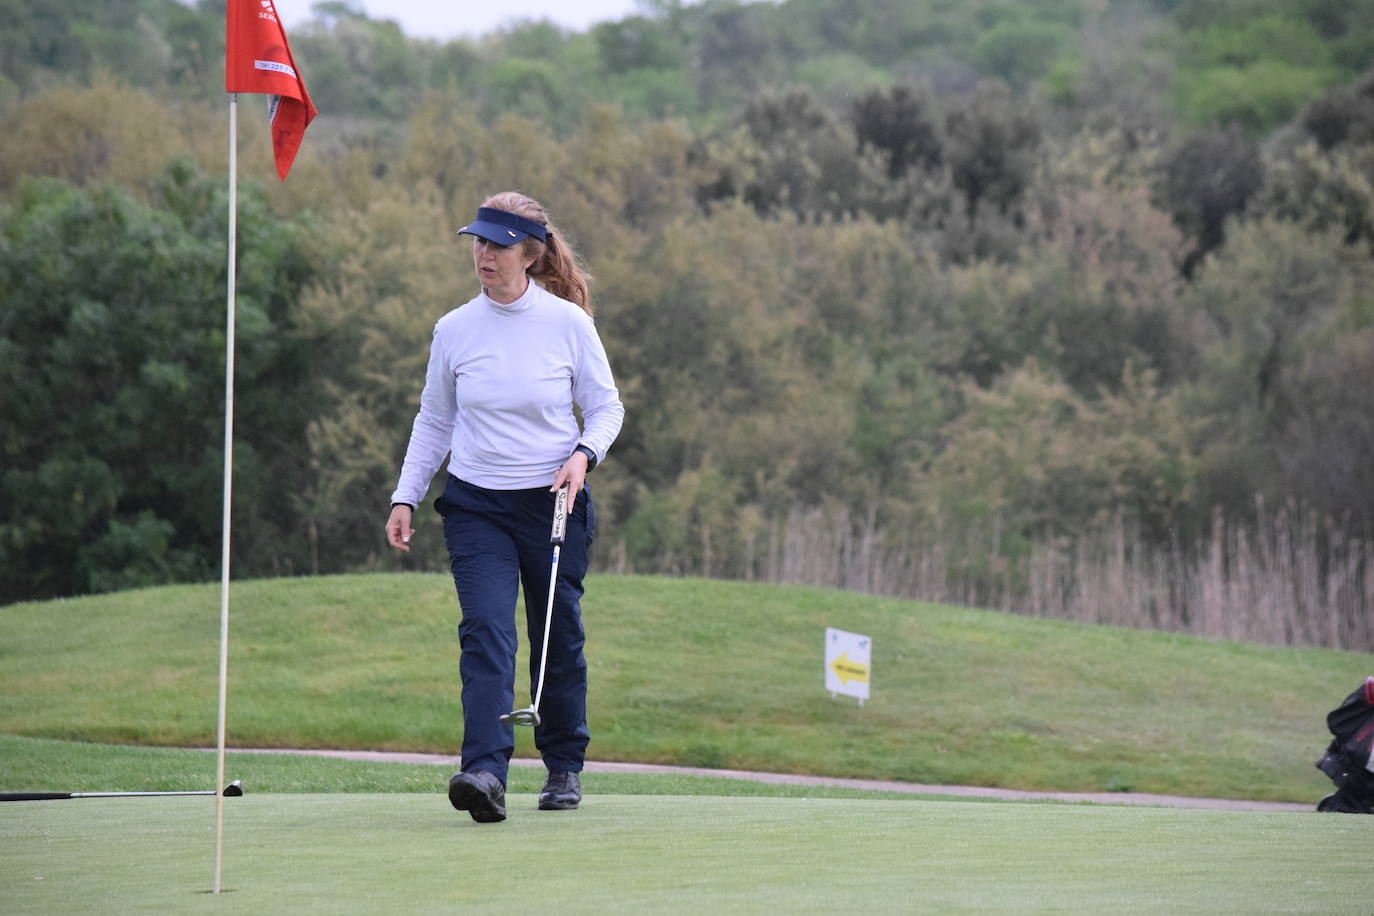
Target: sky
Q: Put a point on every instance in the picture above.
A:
(446, 19)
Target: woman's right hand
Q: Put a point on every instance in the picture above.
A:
(398, 530)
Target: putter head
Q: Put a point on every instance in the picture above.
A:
(526, 716)
(234, 788)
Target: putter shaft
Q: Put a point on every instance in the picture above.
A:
(530, 714)
(234, 789)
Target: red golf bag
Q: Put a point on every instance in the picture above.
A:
(1347, 758)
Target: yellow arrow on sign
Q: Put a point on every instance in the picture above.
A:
(847, 670)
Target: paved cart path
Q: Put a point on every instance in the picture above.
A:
(1109, 798)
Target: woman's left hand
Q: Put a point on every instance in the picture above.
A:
(574, 474)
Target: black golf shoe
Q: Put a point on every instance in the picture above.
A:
(562, 792)
(480, 794)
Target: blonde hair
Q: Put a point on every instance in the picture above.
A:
(556, 265)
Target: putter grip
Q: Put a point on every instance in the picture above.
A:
(560, 516)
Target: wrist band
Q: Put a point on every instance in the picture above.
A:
(591, 455)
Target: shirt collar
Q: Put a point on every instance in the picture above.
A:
(522, 304)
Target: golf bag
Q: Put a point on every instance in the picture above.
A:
(1347, 758)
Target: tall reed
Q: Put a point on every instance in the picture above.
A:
(1287, 578)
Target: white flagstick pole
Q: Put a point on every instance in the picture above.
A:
(228, 481)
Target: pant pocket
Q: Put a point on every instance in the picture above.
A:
(451, 499)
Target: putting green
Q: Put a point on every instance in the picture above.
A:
(412, 853)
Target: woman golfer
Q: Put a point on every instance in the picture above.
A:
(505, 370)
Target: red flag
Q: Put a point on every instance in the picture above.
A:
(258, 59)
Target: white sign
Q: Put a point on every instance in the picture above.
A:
(847, 658)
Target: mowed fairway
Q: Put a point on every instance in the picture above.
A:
(696, 673)
(411, 853)
(683, 672)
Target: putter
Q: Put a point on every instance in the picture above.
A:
(234, 788)
(530, 714)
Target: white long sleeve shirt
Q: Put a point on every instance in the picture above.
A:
(499, 395)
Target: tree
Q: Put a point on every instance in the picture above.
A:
(1323, 191)
(104, 132)
(902, 123)
(1032, 458)
(1322, 444)
(803, 160)
(638, 43)
(1289, 314)
(1106, 265)
(1345, 115)
(1204, 181)
(993, 142)
(114, 311)
(1020, 52)
(1257, 98)
(733, 45)
(360, 66)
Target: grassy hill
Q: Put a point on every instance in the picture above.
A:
(694, 672)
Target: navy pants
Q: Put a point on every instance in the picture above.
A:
(498, 540)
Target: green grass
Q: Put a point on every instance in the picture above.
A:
(410, 853)
(45, 765)
(699, 673)
(683, 672)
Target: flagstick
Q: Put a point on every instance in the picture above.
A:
(228, 481)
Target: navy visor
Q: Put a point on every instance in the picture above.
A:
(503, 228)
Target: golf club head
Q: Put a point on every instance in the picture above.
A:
(526, 716)
(234, 788)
